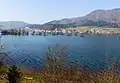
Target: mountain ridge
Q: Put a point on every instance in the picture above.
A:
(13, 24)
(99, 18)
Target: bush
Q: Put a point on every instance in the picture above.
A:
(56, 58)
(14, 74)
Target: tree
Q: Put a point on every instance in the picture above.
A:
(56, 58)
(14, 74)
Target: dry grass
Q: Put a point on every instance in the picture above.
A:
(70, 75)
(73, 76)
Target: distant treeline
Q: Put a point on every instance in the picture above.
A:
(14, 32)
(44, 33)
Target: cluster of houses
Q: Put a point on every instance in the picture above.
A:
(99, 31)
(104, 31)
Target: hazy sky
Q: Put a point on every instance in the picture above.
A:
(41, 11)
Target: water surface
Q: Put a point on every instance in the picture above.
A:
(94, 48)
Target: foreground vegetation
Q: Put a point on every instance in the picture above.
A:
(57, 69)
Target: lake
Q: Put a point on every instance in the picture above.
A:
(91, 50)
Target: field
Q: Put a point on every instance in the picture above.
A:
(80, 28)
(111, 30)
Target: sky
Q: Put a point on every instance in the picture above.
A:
(42, 11)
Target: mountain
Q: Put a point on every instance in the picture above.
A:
(12, 24)
(34, 25)
(99, 18)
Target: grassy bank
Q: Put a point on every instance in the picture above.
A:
(68, 76)
(72, 75)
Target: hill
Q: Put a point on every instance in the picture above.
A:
(13, 24)
(99, 18)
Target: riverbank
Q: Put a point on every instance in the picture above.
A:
(66, 75)
(66, 31)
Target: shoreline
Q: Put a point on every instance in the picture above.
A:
(62, 31)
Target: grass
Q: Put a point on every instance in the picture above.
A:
(70, 76)
(73, 76)
(113, 30)
(80, 28)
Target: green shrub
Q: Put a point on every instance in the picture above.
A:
(14, 74)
